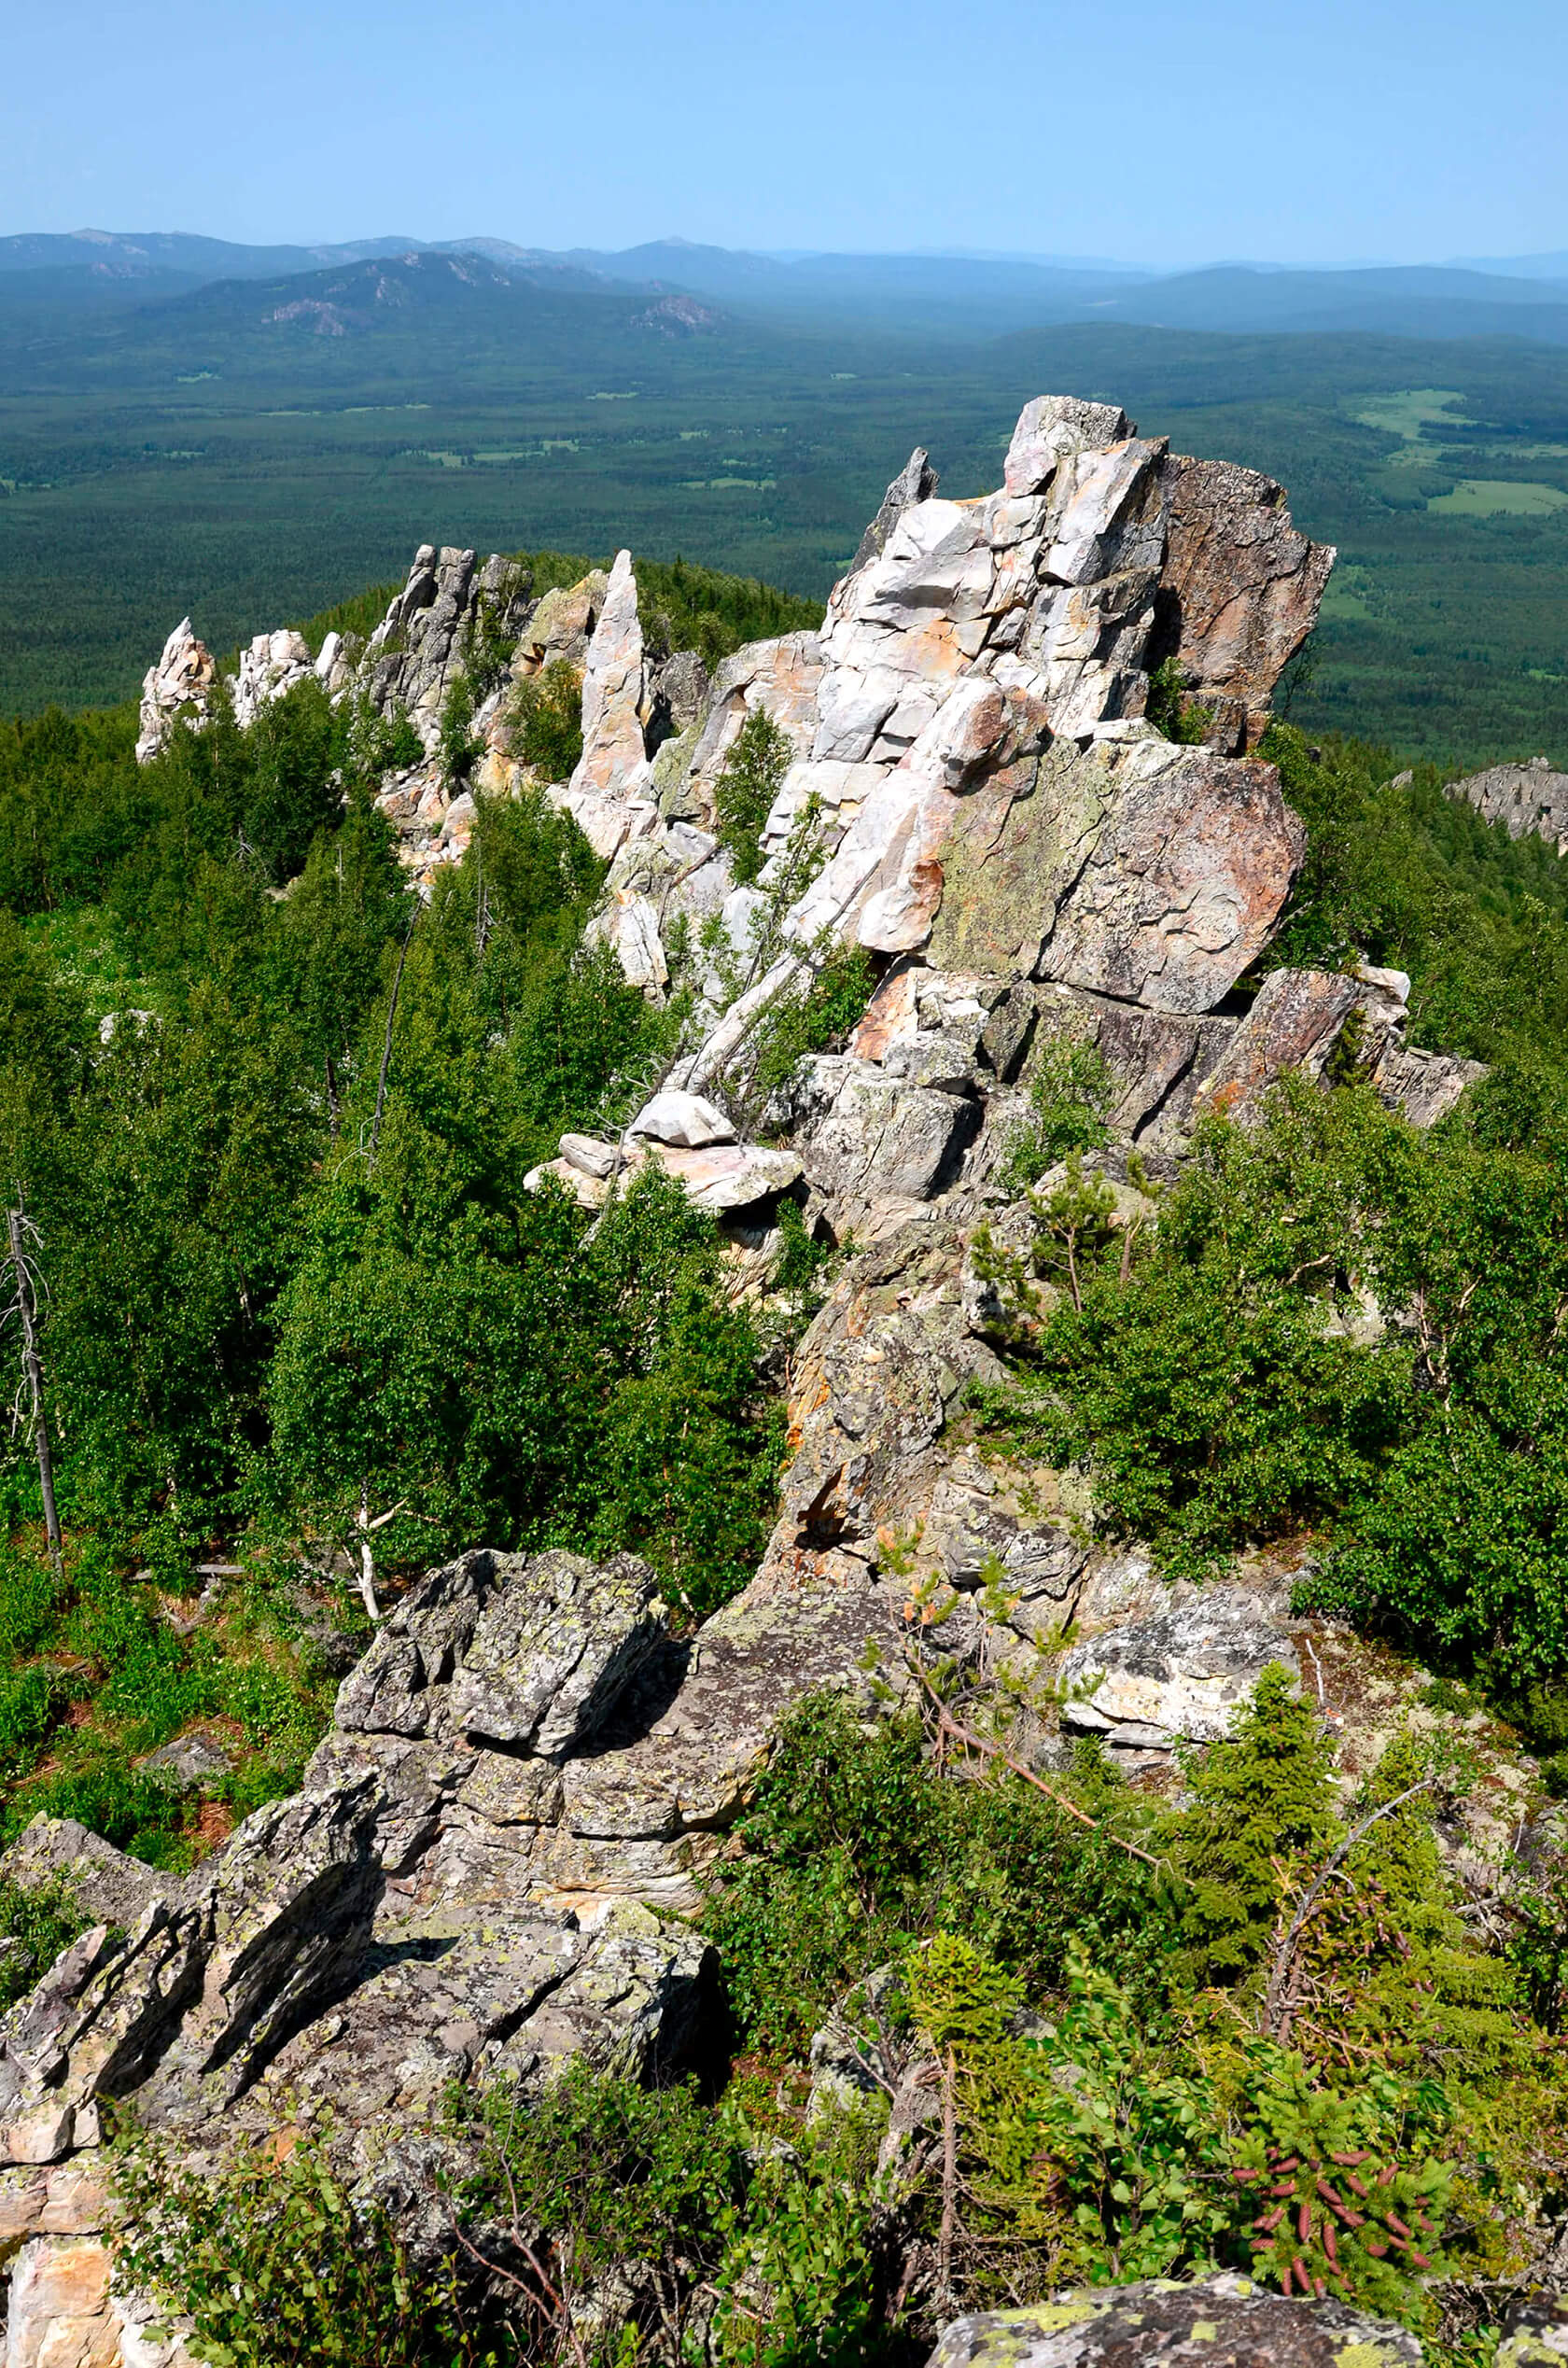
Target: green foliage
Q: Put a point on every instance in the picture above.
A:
(1169, 710)
(856, 1846)
(603, 2172)
(1259, 1803)
(1071, 1092)
(684, 606)
(546, 718)
(818, 1017)
(1340, 1321)
(459, 745)
(1399, 873)
(281, 2267)
(1086, 2133)
(454, 1346)
(750, 779)
(35, 1925)
(1215, 1402)
(1337, 2209)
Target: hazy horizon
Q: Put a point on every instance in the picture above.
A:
(872, 130)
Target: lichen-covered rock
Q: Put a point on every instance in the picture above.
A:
(102, 1881)
(1226, 2322)
(417, 1648)
(1179, 1675)
(551, 1653)
(1535, 2331)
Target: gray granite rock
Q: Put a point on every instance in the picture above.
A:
(1177, 1675)
(551, 1652)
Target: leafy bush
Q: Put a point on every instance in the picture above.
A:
(35, 1925)
(1169, 710)
(278, 2267)
(547, 721)
(1072, 1093)
(459, 745)
(856, 1846)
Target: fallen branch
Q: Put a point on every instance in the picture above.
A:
(989, 1749)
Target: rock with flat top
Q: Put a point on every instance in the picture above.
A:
(1226, 2322)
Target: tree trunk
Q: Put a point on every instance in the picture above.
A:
(34, 1370)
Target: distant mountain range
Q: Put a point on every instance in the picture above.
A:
(49, 282)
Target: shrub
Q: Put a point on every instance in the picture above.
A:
(34, 1927)
(276, 2267)
(749, 780)
(856, 1846)
(1071, 1092)
(547, 721)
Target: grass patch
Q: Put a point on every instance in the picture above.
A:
(1493, 497)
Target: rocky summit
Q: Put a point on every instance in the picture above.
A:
(497, 1854)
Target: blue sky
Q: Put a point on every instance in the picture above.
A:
(1405, 130)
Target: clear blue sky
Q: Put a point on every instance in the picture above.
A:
(1193, 129)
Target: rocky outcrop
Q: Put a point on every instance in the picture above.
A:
(609, 795)
(400, 1924)
(272, 665)
(426, 637)
(1228, 2321)
(530, 1772)
(1238, 593)
(1527, 799)
(180, 684)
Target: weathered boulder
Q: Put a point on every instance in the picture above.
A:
(398, 1686)
(272, 665)
(104, 1883)
(1177, 1677)
(1240, 592)
(549, 1656)
(722, 1176)
(685, 1121)
(180, 683)
(1535, 2331)
(1226, 2321)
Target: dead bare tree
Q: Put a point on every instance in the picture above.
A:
(28, 1292)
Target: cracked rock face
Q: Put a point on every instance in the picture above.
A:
(1182, 1673)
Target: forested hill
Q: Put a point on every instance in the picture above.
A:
(784, 1528)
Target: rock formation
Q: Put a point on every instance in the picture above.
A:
(527, 1774)
(1524, 798)
(180, 683)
